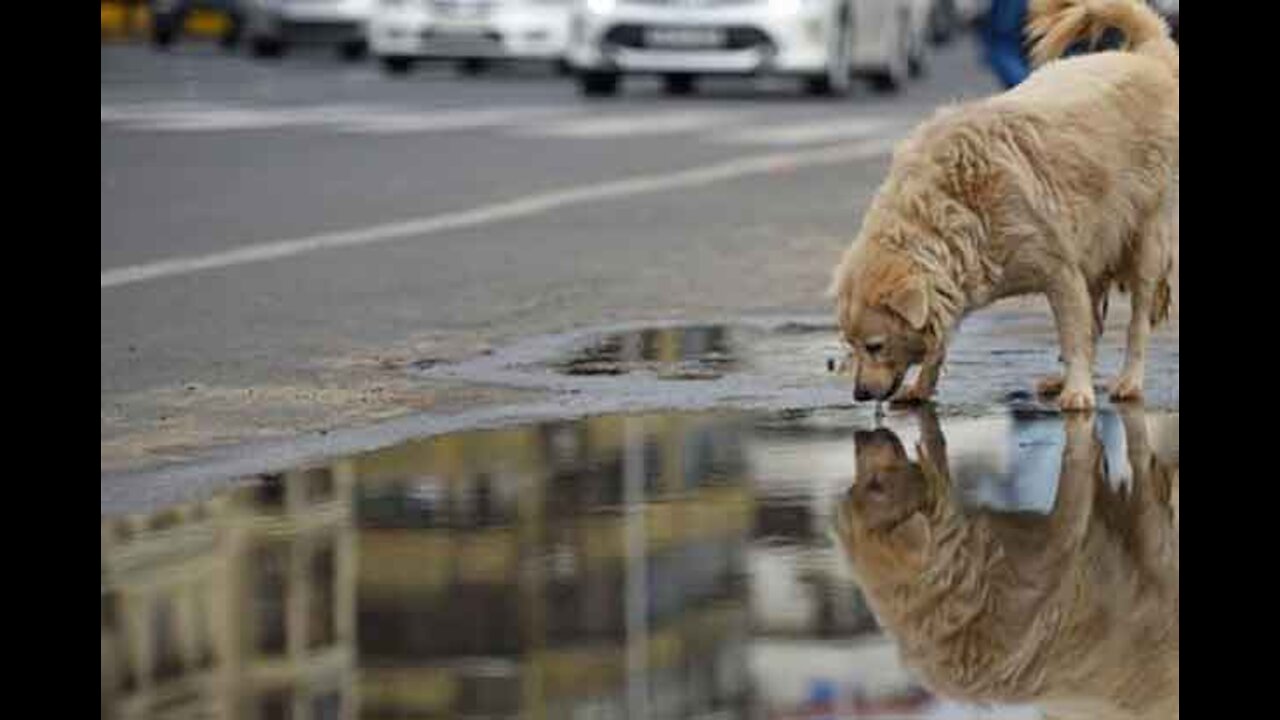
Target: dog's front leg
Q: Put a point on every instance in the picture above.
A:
(926, 380)
(1073, 313)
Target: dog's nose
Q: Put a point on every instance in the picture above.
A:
(861, 394)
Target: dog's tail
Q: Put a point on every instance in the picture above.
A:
(1055, 25)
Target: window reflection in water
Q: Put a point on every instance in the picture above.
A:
(503, 573)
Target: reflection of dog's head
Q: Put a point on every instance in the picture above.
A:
(883, 312)
(884, 518)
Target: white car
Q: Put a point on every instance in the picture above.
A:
(892, 40)
(472, 32)
(820, 41)
(273, 25)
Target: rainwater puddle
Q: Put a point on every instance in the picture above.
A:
(665, 565)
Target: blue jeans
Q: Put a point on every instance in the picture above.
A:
(1004, 43)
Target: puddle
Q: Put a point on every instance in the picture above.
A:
(774, 363)
(677, 353)
(675, 565)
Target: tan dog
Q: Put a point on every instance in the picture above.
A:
(1075, 611)
(1066, 185)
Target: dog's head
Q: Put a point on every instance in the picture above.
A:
(884, 518)
(882, 305)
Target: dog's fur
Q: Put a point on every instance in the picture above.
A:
(1075, 611)
(1066, 185)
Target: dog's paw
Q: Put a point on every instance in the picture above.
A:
(1126, 389)
(1050, 386)
(1073, 399)
(911, 396)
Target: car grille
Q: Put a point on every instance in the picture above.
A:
(463, 8)
(692, 4)
(740, 37)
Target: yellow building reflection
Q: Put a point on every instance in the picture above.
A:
(516, 570)
(240, 606)
(594, 567)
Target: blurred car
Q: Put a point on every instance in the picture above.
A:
(472, 32)
(274, 25)
(169, 19)
(819, 41)
(971, 12)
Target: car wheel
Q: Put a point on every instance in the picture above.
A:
(892, 78)
(230, 38)
(943, 20)
(162, 31)
(835, 80)
(918, 57)
(678, 83)
(396, 64)
(593, 83)
(353, 50)
(266, 47)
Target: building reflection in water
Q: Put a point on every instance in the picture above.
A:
(592, 568)
(674, 566)
(505, 572)
(242, 605)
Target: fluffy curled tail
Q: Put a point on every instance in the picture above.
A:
(1055, 25)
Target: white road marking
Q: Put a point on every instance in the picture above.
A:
(207, 117)
(804, 133)
(634, 123)
(503, 211)
(411, 122)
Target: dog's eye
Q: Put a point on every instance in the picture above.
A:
(874, 348)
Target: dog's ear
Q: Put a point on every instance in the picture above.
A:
(910, 302)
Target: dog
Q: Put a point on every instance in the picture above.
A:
(1075, 611)
(1066, 186)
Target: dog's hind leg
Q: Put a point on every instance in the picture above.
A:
(1144, 288)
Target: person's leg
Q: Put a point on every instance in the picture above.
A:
(1004, 40)
(1006, 60)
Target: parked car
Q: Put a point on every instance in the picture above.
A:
(273, 26)
(822, 42)
(971, 12)
(470, 32)
(169, 18)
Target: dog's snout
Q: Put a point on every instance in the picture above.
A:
(861, 394)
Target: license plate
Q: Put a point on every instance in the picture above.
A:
(684, 37)
(462, 10)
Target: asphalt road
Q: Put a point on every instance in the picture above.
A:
(281, 239)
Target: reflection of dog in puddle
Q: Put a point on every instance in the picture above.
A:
(1075, 610)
